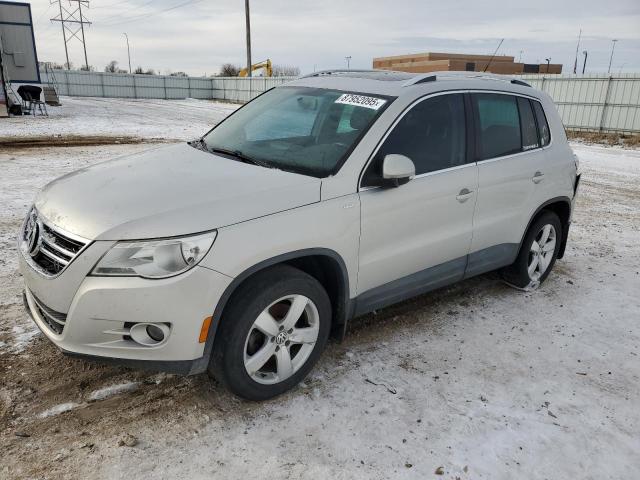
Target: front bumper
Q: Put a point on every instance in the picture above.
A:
(103, 308)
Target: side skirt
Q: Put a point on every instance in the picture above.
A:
(435, 277)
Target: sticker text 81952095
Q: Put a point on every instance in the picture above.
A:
(361, 101)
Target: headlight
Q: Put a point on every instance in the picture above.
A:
(154, 258)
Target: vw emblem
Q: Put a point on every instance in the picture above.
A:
(31, 234)
(281, 338)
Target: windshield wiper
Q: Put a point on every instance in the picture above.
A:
(238, 155)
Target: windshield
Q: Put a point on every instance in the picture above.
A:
(300, 129)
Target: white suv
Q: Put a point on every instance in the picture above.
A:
(319, 201)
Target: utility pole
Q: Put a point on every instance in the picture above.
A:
(575, 63)
(348, 59)
(248, 22)
(64, 35)
(129, 51)
(613, 47)
(73, 21)
(584, 64)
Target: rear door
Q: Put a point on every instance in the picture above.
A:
(510, 171)
(427, 222)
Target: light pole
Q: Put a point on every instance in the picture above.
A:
(520, 57)
(128, 50)
(348, 59)
(548, 63)
(613, 47)
(248, 24)
(584, 64)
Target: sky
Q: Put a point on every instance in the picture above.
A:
(198, 36)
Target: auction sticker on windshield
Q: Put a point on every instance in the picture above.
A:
(361, 101)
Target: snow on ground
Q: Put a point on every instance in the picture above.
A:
(480, 379)
(146, 118)
(112, 390)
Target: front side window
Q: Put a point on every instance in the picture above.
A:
(432, 134)
(298, 129)
(497, 124)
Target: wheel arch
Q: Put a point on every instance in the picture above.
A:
(326, 265)
(561, 206)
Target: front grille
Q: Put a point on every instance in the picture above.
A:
(54, 320)
(50, 249)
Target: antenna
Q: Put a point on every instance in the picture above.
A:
(72, 16)
(494, 54)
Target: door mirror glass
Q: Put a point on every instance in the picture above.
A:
(397, 169)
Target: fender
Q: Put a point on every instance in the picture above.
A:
(565, 226)
(201, 364)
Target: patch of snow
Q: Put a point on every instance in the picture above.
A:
(58, 409)
(22, 336)
(112, 390)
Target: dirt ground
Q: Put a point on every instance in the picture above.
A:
(474, 381)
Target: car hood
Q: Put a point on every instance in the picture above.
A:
(170, 191)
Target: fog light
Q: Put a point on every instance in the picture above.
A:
(149, 334)
(155, 333)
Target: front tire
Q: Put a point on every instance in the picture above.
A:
(273, 331)
(538, 253)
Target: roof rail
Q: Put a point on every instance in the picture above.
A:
(340, 70)
(420, 79)
(515, 81)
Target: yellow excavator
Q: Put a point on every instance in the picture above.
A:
(268, 70)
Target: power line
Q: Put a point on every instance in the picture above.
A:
(147, 15)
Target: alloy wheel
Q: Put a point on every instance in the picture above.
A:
(281, 339)
(542, 251)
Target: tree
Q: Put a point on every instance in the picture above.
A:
(142, 71)
(88, 68)
(286, 71)
(178, 74)
(229, 70)
(112, 67)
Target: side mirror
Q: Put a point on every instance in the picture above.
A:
(397, 169)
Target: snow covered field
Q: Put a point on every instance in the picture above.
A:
(475, 381)
(144, 118)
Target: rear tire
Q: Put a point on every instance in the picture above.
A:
(538, 253)
(272, 333)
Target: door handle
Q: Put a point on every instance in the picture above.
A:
(464, 195)
(537, 177)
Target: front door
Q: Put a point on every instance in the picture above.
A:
(416, 236)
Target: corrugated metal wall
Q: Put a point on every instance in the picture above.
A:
(587, 102)
(124, 85)
(594, 102)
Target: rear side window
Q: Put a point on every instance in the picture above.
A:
(527, 125)
(432, 134)
(543, 126)
(498, 125)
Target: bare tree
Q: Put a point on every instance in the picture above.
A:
(112, 67)
(229, 70)
(142, 71)
(286, 71)
(178, 74)
(88, 68)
